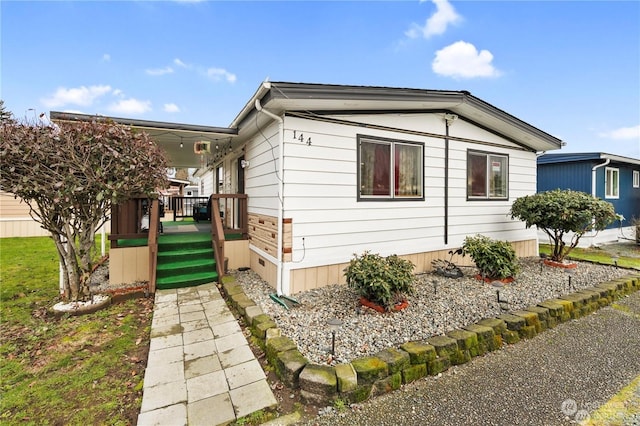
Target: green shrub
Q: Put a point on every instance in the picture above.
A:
(494, 259)
(382, 280)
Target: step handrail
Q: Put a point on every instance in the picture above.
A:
(217, 238)
(152, 242)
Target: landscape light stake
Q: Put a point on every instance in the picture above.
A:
(499, 285)
(334, 324)
(570, 272)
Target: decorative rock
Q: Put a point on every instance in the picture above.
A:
(318, 383)
(272, 333)
(278, 345)
(370, 369)
(395, 359)
(440, 304)
(445, 346)
(419, 353)
(240, 301)
(543, 316)
(514, 323)
(232, 288)
(388, 384)
(414, 372)
(261, 324)
(347, 378)
(485, 336)
(531, 320)
(496, 324)
(288, 366)
(438, 365)
(251, 312)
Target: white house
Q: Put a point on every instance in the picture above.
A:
(332, 170)
(337, 170)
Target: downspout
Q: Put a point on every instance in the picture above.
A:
(593, 184)
(448, 120)
(280, 264)
(593, 175)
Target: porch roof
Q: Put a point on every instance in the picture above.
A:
(177, 139)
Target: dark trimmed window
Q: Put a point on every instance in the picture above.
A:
(487, 176)
(390, 169)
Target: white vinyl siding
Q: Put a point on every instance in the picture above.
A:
(320, 189)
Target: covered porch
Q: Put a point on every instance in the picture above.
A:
(141, 228)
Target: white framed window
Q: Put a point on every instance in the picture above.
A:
(636, 178)
(390, 169)
(612, 183)
(487, 176)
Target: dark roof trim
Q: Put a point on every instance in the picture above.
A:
(585, 156)
(67, 116)
(454, 100)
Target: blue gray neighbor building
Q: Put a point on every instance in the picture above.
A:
(613, 178)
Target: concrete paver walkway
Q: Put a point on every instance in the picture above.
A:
(201, 370)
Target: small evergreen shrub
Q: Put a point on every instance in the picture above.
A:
(381, 280)
(494, 259)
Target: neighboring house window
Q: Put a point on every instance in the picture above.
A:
(390, 169)
(612, 183)
(636, 179)
(487, 176)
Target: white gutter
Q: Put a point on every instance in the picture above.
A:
(593, 176)
(280, 265)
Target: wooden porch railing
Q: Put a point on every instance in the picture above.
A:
(126, 220)
(154, 225)
(187, 206)
(228, 215)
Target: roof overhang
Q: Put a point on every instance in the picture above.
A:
(279, 97)
(176, 139)
(586, 156)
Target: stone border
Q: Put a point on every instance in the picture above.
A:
(390, 368)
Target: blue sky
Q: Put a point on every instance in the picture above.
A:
(570, 68)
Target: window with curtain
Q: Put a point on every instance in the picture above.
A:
(390, 169)
(612, 183)
(487, 176)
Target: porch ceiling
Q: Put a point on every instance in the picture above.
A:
(176, 139)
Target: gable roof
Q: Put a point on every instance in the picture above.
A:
(279, 97)
(585, 156)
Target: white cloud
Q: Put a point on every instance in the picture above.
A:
(218, 74)
(171, 108)
(106, 57)
(130, 106)
(437, 23)
(82, 95)
(159, 71)
(462, 60)
(623, 133)
(179, 63)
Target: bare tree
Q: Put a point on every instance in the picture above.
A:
(70, 175)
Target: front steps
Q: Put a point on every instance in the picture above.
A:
(185, 260)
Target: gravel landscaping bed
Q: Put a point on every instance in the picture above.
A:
(439, 304)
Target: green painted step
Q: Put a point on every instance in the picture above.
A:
(187, 280)
(185, 260)
(179, 255)
(187, 266)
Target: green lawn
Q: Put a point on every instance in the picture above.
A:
(67, 370)
(628, 258)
